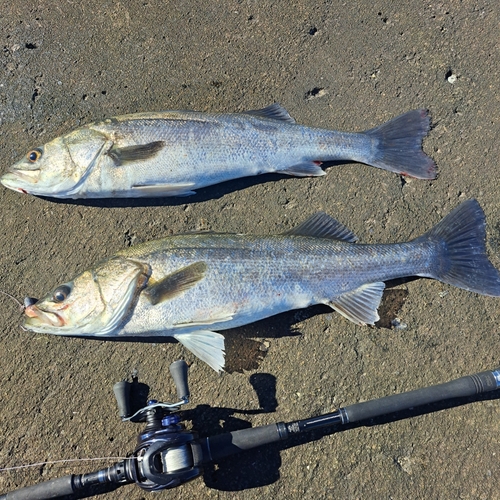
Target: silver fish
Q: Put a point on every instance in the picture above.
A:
(172, 153)
(187, 286)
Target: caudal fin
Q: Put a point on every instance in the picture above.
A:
(463, 261)
(399, 145)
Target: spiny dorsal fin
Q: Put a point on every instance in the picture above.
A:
(135, 153)
(273, 112)
(175, 283)
(360, 305)
(321, 225)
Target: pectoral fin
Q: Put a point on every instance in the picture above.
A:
(216, 315)
(207, 345)
(139, 152)
(360, 306)
(175, 283)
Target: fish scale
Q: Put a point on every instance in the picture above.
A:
(283, 272)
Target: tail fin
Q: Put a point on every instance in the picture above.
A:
(463, 261)
(399, 145)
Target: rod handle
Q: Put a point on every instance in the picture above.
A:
(55, 488)
(470, 385)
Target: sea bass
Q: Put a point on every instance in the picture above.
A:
(189, 285)
(172, 153)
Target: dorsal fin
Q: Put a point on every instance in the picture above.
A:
(273, 112)
(321, 225)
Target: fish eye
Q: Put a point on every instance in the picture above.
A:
(61, 293)
(34, 155)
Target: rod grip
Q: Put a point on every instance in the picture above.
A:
(459, 388)
(54, 488)
(223, 445)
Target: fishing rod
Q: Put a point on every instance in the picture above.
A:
(168, 455)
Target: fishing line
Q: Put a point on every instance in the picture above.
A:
(51, 462)
(21, 305)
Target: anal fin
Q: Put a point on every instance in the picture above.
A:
(360, 305)
(305, 169)
(206, 345)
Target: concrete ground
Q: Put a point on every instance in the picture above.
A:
(340, 65)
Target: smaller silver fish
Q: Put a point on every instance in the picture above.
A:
(191, 286)
(172, 153)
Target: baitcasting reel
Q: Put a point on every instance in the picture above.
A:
(166, 455)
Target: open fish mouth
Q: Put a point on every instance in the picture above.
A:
(37, 318)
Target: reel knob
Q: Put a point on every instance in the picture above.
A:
(122, 395)
(179, 372)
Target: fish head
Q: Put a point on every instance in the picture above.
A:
(59, 167)
(95, 303)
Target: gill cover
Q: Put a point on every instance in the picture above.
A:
(84, 148)
(94, 303)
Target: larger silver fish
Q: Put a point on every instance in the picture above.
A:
(175, 152)
(187, 286)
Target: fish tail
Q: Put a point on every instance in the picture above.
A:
(398, 144)
(462, 260)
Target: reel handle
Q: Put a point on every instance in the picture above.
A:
(179, 372)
